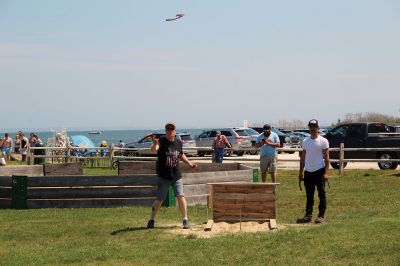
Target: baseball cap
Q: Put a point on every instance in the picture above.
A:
(218, 132)
(266, 127)
(313, 122)
(170, 124)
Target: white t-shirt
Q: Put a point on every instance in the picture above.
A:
(314, 153)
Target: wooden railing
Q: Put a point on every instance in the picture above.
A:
(113, 154)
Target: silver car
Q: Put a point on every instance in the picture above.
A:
(143, 145)
(237, 137)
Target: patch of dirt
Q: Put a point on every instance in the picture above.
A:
(223, 228)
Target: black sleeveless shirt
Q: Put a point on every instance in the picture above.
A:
(169, 154)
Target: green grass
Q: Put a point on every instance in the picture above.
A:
(362, 228)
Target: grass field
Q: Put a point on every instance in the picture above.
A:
(362, 228)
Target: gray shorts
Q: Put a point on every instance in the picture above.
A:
(268, 163)
(163, 185)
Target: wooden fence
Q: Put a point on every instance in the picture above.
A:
(136, 186)
(114, 154)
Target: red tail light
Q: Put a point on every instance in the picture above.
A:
(239, 138)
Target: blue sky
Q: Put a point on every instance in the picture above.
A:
(119, 64)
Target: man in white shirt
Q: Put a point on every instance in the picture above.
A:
(315, 161)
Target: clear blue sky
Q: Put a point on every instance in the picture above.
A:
(119, 64)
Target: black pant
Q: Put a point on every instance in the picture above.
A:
(312, 180)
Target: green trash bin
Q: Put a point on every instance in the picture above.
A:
(170, 200)
(39, 152)
(19, 192)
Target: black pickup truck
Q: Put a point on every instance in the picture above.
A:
(365, 135)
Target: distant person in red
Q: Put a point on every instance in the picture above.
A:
(169, 153)
(219, 144)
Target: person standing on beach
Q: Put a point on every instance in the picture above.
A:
(315, 160)
(17, 144)
(219, 144)
(268, 141)
(24, 145)
(169, 152)
(7, 146)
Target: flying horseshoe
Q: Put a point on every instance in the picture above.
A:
(178, 16)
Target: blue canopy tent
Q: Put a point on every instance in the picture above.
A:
(83, 142)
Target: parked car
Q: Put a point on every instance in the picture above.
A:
(253, 134)
(237, 137)
(286, 140)
(301, 135)
(145, 143)
(365, 135)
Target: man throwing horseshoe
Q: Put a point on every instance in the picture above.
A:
(169, 152)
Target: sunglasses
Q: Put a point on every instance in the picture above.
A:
(170, 128)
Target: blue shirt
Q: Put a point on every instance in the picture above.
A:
(268, 149)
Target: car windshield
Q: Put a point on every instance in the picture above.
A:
(186, 137)
(241, 132)
(251, 131)
(278, 132)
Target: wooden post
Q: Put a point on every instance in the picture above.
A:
(111, 155)
(67, 153)
(341, 157)
(28, 154)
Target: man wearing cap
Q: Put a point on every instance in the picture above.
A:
(268, 141)
(219, 144)
(169, 152)
(314, 159)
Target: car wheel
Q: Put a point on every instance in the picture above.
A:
(239, 153)
(337, 165)
(201, 154)
(387, 165)
(227, 153)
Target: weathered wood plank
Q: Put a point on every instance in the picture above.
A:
(244, 167)
(235, 219)
(63, 169)
(272, 224)
(244, 208)
(134, 168)
(5, 192)
(5, 181)
(91, 192)
(5, 203)
(236, 213)
(209, 167)
(238, 204)
(28, 170)
(216, 177)
(70, 181)
(243, 188)
(254, 197)
(209, 225)
(88, 203)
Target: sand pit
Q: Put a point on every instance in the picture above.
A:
(223, 228)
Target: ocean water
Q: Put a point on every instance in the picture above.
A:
(111, 136)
